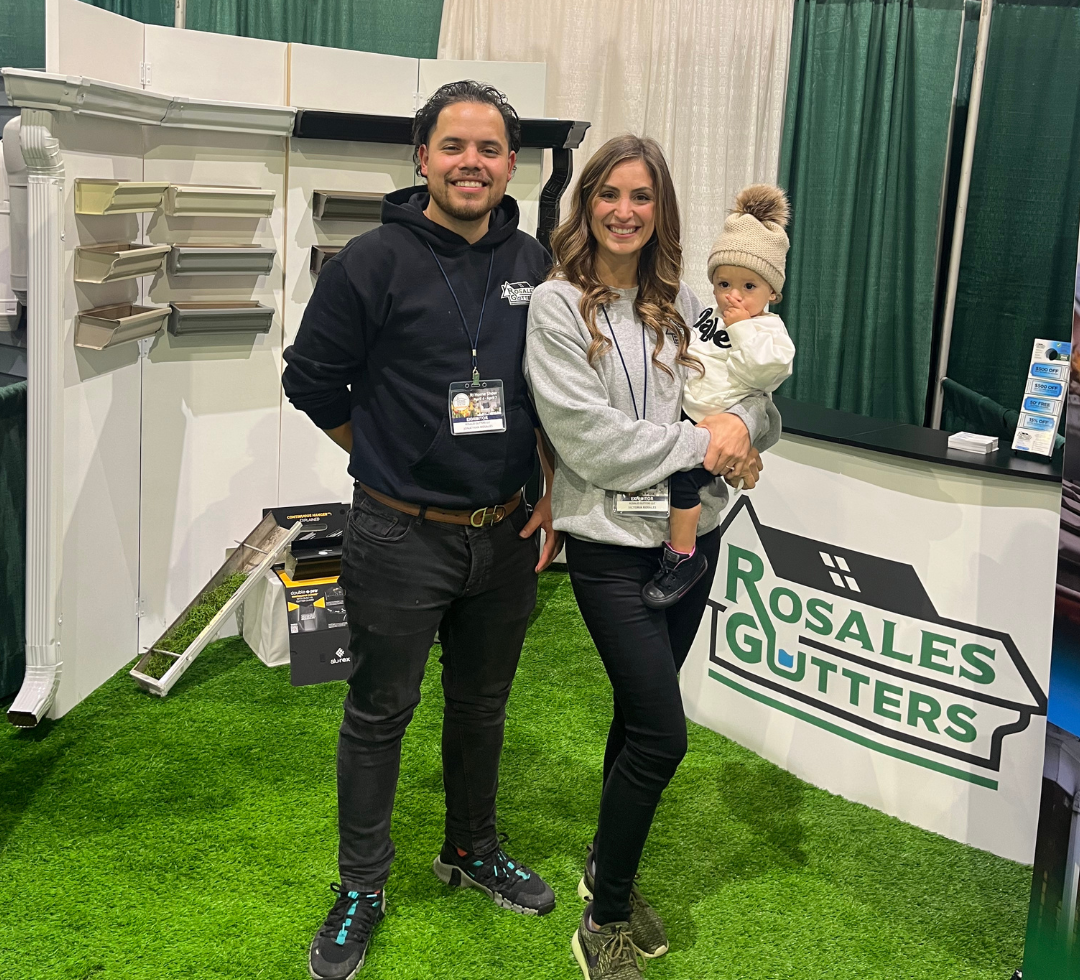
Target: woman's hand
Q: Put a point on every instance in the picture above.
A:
(729, 446)
(541, 517)
(747, 473)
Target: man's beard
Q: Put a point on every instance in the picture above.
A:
(440, 194)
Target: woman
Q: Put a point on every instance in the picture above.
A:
(606, 358)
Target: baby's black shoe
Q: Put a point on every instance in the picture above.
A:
(675, 577)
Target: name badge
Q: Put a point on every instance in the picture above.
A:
(651, 502)
(475, 407)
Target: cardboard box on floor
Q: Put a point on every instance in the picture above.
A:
(301, 621)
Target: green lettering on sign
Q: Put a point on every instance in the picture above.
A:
(887, 700)
(922, 707)
(983, 672)
(931, 653)
(857, 680)
(961, 716)
(888, 630)
(855, 628)
(749, 650)
(824, 669)
(816, 620)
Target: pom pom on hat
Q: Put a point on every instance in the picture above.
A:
(754, 237)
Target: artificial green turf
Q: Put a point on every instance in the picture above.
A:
(194, 837)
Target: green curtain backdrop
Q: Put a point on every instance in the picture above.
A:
(22, 33)
(404, 27)
(12, 536)
(1020, 239)
(863, 159)
(161, 12)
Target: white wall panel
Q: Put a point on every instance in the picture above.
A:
(216, 66)
(523, 83)
(211, 403)
(313, 469)
(100, 432)
(352, 81)
(98, 44)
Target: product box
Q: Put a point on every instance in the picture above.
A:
(316, 551)
(1044, 397)
(318, 630)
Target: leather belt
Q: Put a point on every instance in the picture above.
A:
(481, 517)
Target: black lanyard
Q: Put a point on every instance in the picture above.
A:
(473, 343)
(644, 363)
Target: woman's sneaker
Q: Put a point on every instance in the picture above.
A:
(607, 953)
(338, 950)
(506, 882)
(646, 927)
(676, 576)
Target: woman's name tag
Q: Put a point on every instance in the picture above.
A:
(476, 406)
(651, 502)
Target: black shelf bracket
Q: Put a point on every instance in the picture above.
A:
(561, 136)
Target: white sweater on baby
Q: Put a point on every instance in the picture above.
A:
(753, 355)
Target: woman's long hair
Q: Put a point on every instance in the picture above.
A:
(660, 261)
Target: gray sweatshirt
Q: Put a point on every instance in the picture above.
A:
(588, 414)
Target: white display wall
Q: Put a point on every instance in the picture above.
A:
(170, 457)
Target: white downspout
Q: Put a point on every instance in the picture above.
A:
(180, 14)
(15, 167)
(44, 432)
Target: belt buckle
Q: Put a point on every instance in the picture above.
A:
(497, 513)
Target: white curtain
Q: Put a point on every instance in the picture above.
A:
(706, 78)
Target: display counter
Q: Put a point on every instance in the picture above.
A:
(880, 623)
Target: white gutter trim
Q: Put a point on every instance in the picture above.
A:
(970, 133)
(93, 97)
(44, 418)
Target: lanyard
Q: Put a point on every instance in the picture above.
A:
(473, 343)
(645, 368)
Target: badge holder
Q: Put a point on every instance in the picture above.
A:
(653, 502)
(476, 407)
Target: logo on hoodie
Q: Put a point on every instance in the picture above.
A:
(516, 293)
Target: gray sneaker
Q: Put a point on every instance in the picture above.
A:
(646, 927)
(609, 953)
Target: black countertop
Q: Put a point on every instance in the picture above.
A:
(912, 441)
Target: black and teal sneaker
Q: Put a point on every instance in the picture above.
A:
(646, 927)
(339, 947)
(506, 882)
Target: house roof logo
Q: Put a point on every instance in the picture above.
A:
(852, 643)
(516, 293)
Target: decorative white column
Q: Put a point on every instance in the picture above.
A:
(44, 417)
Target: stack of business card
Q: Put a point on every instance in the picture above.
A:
(972, 442)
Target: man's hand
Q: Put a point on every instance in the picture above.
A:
(735, 310)
(342, 435)
(541, 517)
(748, 473)
(729, 447)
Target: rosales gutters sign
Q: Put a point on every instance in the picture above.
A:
(852, 644)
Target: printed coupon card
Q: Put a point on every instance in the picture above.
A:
(1044, 397)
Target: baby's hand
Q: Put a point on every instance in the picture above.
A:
(734, 312)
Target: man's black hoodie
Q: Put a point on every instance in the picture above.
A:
(382, 322)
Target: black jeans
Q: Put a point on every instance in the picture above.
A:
(642, 650)
(404, 578)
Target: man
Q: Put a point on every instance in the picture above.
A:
(409, 357)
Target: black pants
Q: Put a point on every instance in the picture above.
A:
(404, 578)
(642, 650)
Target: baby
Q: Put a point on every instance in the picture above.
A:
(750, 352)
